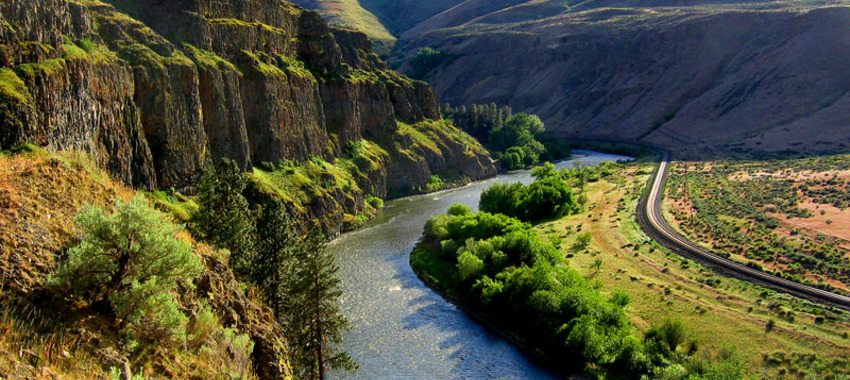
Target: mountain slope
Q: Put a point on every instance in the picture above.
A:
(155, 91)
(715, 77)
(350, 14)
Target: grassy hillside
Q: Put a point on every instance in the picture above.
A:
(350, 14)
(43, 335)
(381, 20)
(774, 333)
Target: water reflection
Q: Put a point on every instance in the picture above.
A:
(401, 329)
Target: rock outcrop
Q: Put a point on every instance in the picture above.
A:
(157, 90)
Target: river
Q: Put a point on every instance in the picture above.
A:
(401, 329)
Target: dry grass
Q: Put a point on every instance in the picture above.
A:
(47, 337)
(720, 312)
(40, 194)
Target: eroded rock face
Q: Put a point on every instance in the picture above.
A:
(160, 92)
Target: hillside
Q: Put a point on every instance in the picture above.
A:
(704, 78)
(157, 91)
(45, 335)
(381, 20)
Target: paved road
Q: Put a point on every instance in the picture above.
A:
(653, 223)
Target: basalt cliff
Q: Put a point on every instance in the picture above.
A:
(156, 90)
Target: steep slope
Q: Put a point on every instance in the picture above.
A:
(43, 336)
(703, 78)
(381, 20)
(161, 90)
(351, 15)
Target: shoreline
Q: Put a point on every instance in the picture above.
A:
(532, 352)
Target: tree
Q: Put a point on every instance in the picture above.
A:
(127, 264)
(273, 270)
(223, 217)
(316, 323)
(596, 265)
(458, 209)
(518, 130)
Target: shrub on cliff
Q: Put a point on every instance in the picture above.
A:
(129, 263)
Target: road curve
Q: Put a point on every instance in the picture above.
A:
(653, 223)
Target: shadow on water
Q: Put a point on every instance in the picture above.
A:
(401, 329)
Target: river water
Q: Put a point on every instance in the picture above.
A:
(401, 329)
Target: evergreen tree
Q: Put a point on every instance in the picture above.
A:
(274, 268)
(316, 324)
(223, 218)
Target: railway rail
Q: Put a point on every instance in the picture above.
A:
(653, 223)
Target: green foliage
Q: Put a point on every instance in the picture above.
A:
(501, 268)
(517, 131)
(478, 119)
(223, 217)
(315, 323)
(131, 261)
(12, 87)
(545, 198)
(427, 59)
(375, 202)
(469, 266)
(458, 209)
(514, 136)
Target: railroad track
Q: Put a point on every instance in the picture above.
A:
(653, 223)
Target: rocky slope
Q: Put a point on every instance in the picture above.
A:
(42, 336)
(701, 77)
(157, 90)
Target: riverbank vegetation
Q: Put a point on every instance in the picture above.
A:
(498, 267)
(786, 217)
(516, 139)
(724, 327)
(723, 315)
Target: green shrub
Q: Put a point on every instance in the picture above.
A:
(458, 209)
(545, 198)
(131, 261)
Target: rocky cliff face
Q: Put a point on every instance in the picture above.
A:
(156, 90)
(703, 77)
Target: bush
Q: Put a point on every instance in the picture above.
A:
(545, 198)
(130, 261)
(458, 209)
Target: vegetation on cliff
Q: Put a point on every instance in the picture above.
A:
(116, 286)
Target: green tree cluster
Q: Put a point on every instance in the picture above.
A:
(296, 276)
(545, 198)
(128, 264)
(426, 60)
(497, 266)
(516, 138)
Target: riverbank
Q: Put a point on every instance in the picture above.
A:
(532, 352)
(402, 328)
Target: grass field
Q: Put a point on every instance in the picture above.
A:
(778, 335)
(789, 217)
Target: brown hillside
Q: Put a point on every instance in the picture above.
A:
(709, 78)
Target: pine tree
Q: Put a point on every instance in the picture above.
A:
(316, 323)
(275, 265)
(223, 218)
